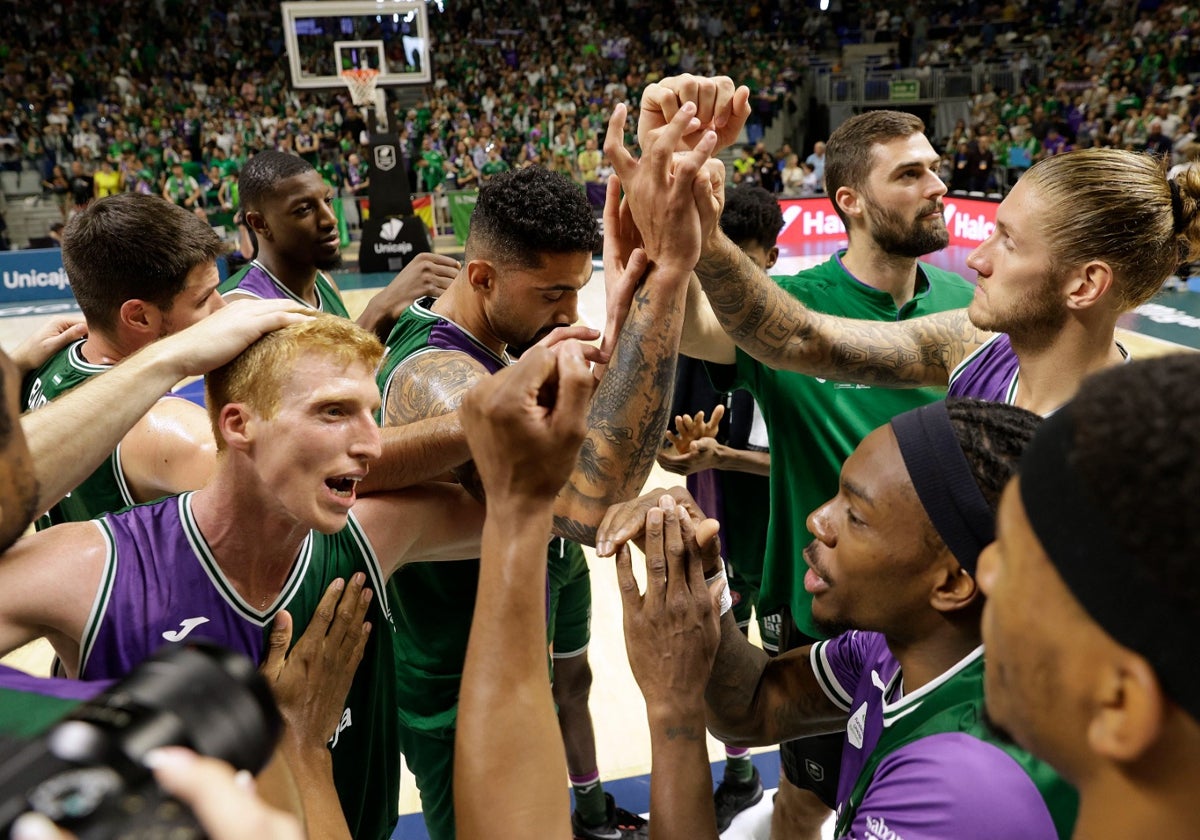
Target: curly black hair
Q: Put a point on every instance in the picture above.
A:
(263, 172)
(751, 215)
(993, 437)
(1137, 446)
(525, 213)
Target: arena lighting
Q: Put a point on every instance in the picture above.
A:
(824, 5)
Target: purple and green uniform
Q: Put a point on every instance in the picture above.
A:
(254, 279)
(925, 765)
(29, 705)
(814, 425)
(106, 489)
(991, 372)
(161, 585)
(433, 603)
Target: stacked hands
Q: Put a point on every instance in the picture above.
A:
(695, 443)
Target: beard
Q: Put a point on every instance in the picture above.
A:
(1032, 319)
(910, 237)
(329, 263)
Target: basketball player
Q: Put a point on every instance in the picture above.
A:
(142, 269)
(272, 530)
(289, 209)
(1092, 587)
(891, 571)
(528, 254)
(881, 173)
(1083, 238)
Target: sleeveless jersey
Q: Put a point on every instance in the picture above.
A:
(926, 764)
(29, 705)
(815, 423)
(162, 585)
(992, 372)
(105, 490)
(433, 602)
(254, 279)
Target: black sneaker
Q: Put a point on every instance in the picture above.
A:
(732, 797)
(619, 824)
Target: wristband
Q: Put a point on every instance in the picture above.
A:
(726, 598)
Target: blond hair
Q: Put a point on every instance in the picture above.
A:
(1117, 207)
(256, 376)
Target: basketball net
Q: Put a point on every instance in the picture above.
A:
(362, 85)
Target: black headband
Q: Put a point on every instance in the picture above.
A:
(1178, 220)
(944, 483)
(1117, 591)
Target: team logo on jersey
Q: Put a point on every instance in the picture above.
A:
(385, 158)
(344, 723)
(185, 627)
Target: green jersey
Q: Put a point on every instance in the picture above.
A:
(814, 424)
(255, 280)
(433, 602)
(366, 745)
(105, 490)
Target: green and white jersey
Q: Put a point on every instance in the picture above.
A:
(106, 489)
(814, 424)
(255, 280)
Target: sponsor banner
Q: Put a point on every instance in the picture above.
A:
(805, 220)
(33, 275)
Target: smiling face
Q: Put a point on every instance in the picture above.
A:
(317, 445)
(872, 560)
(900, 204)
(297, 224)
(525, 304)
(1017, 290)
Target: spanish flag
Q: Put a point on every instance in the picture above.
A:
(423, 209)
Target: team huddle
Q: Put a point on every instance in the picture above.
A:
(388, 514)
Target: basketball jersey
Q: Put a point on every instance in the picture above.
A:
(162, 585)
(992, 371)
(105, 490)
(433, 602)
(815, 423)
(254, 279)
(925, 764)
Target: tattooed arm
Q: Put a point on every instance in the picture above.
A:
(421, 399)
(754, 700)
(775, 328)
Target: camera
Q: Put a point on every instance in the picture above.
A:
(86, 772)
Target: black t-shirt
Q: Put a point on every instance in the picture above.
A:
(81, 188)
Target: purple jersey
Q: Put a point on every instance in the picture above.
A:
(161, 585)
(946, 784)
(990, 373)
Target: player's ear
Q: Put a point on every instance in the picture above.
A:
(236, 424)
(481, 274)
(1129, 708)
(847, 200)
(258, 224)
(772, 256)
(140, 317)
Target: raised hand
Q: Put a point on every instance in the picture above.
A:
(688, 428)
(526, 423)
(721, 107)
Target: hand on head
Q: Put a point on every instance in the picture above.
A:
(215, 340)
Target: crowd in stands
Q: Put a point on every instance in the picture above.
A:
(101, 98)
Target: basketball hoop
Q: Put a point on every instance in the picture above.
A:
(361, 82)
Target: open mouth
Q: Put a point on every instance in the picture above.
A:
(342, 487)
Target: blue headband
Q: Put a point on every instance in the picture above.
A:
(944, 483)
